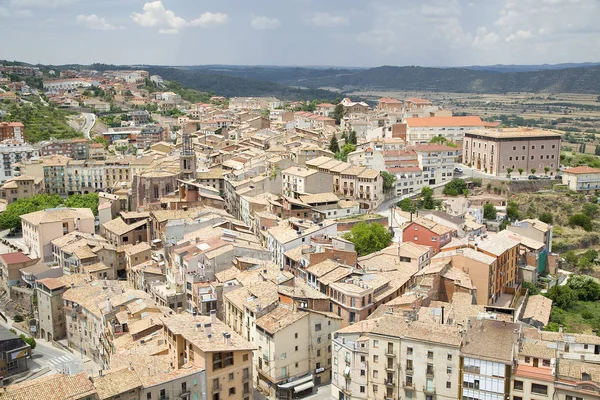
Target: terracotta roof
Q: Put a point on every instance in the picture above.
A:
(54, 387)
(115, 382)
(14, 258)
(280, 318)
(582, 170)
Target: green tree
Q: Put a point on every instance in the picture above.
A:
(533, 170)
(352, 137)
(590, 209)
(546, 170)
(509, 171)
(89, 200)
(29, 340)
(389, 180)
(338, 113)
(512, 211)
(546, 217)
(455, 187)
(563, 296)
(407, 205)
(368, 238)
(533, 290)
(10, 218)
(102, 141)
(586, 287)
(334, 146)
(427, 195)
(489, 211)
(520, 171)
(342, 155)
(581, 220)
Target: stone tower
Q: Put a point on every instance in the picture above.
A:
(188, 159)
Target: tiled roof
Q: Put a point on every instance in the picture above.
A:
(444, 121)
(54, 387)
(115, 382)
(280, 318)
(14, 258)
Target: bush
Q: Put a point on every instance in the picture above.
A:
(477, 182)
(407, 205)
(581, 220)
(455, 187)
(587, 314)
(546, 217)
(30, 341)
(18, 318)
(533, 290)
(489, 212)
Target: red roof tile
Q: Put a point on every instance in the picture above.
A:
(14, 258)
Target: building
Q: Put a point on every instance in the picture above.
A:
(41, 227)
(14, 353)
(436, 161)
(298, 181)
(10, 268)
(391, 357)
(427, 232)
(533, 229)
(12, 153)
(21, 187)
(77, 149)
(390, 105)
(294, 350)
(423, 130)
(149, 135)
(353, 107)
(486, 369)
(533, 375)
(535, 151)
(581, 179)
(51, 316)
(118, 232)
(53, 387)
(13, 131)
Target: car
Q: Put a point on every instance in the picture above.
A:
(459, 170)
(557, 177)
(532, 177)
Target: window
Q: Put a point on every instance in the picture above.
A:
(296, 335)
(362, 359)
(448, 385)
(546, 363)
(375, 358)
(375, 389)
(232, 391)
(520, 398)
(449, 356)
(528, 360)
(283, 356)
(317, 327)
(362, 372)
(148, 396)
(539, 389)
(430, 354)
(448, 370)
(409, 351)
(245, 357)
(362, 389)
(296, 348)
(163, 393)
(375, 373)
(518, 385)
(375, 343)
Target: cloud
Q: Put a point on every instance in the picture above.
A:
(447, 10)
(328, 20)
(519, 35)
(6, 13)
(484, 39)
(155, 15)
(40, 3)
(95, 23)
(209, 19)
(265, 23)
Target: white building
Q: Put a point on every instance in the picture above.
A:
(422, 130)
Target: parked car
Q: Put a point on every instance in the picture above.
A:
(458, 170)
(558, 177)
(532, 177)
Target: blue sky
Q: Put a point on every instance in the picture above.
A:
(301, 32)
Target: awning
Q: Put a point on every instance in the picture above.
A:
(296, 382)
(304, 386)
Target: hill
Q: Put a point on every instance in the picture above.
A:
(567, 80)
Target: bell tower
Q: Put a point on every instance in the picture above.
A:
(187, 159)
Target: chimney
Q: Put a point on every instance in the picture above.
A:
(72, 285)
(208, 329)
(227, 338)
(442, 315)
(213, 316)
(198, 325)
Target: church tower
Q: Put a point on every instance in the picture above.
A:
(187, 160)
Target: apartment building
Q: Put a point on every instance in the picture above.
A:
(427, 232)
(118, 232)
(309, 151)
(495, 151)
(208, 343)
(422, 130)
(582, 178)
(294, 350)
(436, 161)
(21, 187)
(77, 149)
(390, 105)
(533, 229)
(41, 227)
(12, 153)
(486, 370)
(149, 135)
(353, 107)
(393, 358)
(13, 131)
(84, 176)
(10, 268)
(253, 103)
(298, 181)
(533, 376)
(575, 380)
(59, 386)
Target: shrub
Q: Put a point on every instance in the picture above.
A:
(455, 187)
(581, 220)
(587, 314)
(546, 217)
(18, 318)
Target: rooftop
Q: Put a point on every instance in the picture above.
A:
(115, 382)
(516, 133)
(483, 332)
(54, 387)
(57, 215)
(444, 121)
(280, 318)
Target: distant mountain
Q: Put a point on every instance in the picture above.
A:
(525, 68)
(230, 86)
(568, 80)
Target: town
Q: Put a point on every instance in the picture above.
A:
(158, 246)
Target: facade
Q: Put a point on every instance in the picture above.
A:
(298, 181)
(41, 227)
(422, 130)
(533, 229)
(495, 151)
(581, 179)
(11, 153)
(21, 187)
(428, 233)
(52, 321)
(10, 268)
(13, 131)
(14, 353)
(77, 149)
(437, 162)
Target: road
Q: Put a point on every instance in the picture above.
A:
(322, 392)
(88, 124)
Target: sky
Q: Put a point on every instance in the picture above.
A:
(345, 33)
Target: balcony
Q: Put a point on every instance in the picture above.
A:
(389, 382)
(429, 390)
(217, 388)
(185, 394)
(390, 367)
(409, 370)
(408, 385)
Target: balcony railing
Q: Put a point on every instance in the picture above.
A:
(217, 388)
(389, 382)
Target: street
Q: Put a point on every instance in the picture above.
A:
(322, 392)
(88, 124)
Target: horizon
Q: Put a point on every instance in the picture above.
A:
(434, 33)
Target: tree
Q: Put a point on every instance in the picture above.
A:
(89, 200)
(10, 218)
(29, 340)
(533, 171)
(389, 180)
(590, 209)
(563, 296)
(427, 195)
(533, 290)
(352, 137)
(102, 141)
(520, 171)
(509, 171)
(342, 155)
(455, 187)
(338, 113)
(489, 211)
(546, 170)
(334, 147)
(407, 205)
(546, 217)
(368, 238)
(512, 211)
(586, 287)
(581, 220)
